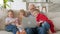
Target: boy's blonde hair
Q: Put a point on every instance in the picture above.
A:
(37, 10)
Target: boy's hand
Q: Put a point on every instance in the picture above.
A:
(39, 23)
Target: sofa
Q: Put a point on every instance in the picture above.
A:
(54, 16)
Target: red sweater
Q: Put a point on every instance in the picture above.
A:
(44, 18)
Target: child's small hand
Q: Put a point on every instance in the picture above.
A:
(40, 21)
(16, 20)
(12, 21)
(16, 24)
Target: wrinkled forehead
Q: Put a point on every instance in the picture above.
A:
(31, 6)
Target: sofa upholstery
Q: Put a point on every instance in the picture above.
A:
(55, 17)
(5, 32)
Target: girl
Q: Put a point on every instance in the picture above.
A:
(19, 25)
(10, 22)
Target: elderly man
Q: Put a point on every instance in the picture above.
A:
(38, 30)
(31, 8)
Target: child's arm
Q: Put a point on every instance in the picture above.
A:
(7, 21)
(39, 23)
(19, 26)
(17, 22)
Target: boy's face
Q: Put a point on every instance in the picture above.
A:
(10, 14)
(35, 13)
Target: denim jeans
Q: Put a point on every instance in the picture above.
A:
(11, 28)
(43, 29)
(29, 30)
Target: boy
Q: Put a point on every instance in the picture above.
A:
(43, 22)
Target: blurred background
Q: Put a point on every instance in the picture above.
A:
(49, 7)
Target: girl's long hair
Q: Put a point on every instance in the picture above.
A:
(24, 14)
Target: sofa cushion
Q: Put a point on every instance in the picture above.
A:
(56, 22)
(5, 32)
(53, 14)
(58, 32)
(3, 15)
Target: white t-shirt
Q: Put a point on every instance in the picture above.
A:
(20, 27)
(10, 20)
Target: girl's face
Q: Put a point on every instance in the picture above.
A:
(10, 14)
(21, 14)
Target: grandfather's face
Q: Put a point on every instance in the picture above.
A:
(32, 8)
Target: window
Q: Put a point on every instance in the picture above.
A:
(1, 3)
(17, 5)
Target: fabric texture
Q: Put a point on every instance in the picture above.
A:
(11, 28)
(43, 30)
(44, 18)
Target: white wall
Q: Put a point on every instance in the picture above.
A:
(17, 5)
(1, 1)
(55, 1)
(36, 0)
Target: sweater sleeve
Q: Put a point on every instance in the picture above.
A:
(43, 17)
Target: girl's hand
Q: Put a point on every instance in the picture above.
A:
(16, 20)
(11, 21)
(17, 24)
